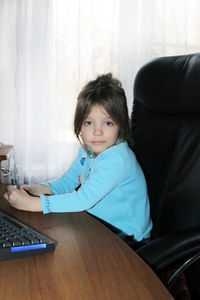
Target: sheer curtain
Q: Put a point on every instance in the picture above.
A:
(154, 28)
(53, 47)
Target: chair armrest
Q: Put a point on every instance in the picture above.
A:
(166, 251)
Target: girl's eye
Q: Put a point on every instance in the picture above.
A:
(87, 123)
(108, 123)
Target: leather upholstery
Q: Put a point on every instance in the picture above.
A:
(166, 140)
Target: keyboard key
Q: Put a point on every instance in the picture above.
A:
(6, 245)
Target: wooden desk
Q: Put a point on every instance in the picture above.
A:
(4, 151)
(89, 263)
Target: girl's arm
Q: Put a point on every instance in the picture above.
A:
(29, 201)
(36, 190)
(102, 180)
(21, 200)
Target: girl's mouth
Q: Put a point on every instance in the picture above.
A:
(97, 142)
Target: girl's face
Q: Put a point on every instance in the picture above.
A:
(98, 130)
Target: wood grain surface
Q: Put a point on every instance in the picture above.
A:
(89, 262)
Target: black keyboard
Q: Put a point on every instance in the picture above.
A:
(19, 240)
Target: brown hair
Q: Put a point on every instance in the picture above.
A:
(108, 92)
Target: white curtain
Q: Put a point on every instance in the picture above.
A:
(55, 47)
(51, 48)
(153, 28)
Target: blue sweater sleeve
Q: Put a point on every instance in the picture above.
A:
(69, 181)
(107, 172)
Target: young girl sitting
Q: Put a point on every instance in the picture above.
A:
(105, 179)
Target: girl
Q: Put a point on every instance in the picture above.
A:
(105, 179)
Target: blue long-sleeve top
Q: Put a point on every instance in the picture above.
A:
(113, 188)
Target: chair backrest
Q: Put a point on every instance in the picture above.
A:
(166, 139)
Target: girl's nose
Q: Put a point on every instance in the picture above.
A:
(98, 131)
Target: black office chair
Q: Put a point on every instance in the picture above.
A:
(166, 140)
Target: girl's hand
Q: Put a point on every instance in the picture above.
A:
(21, 200)
(36, 190)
